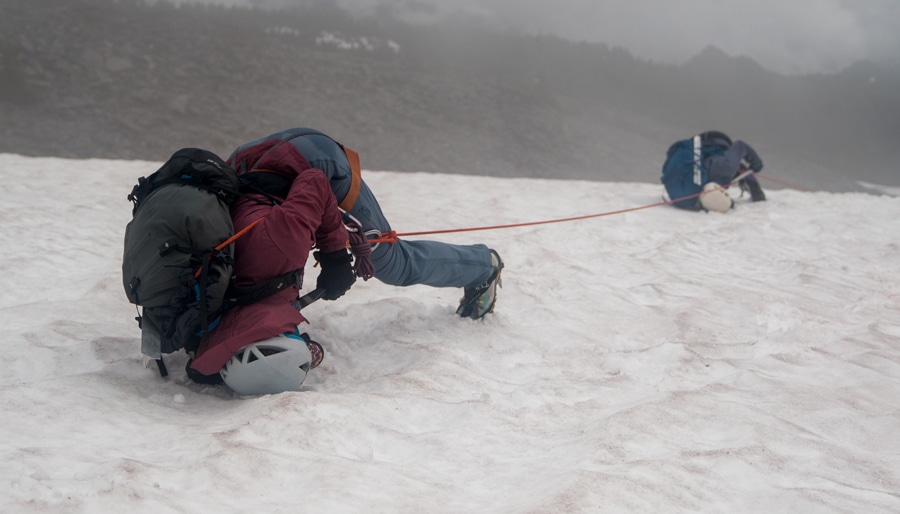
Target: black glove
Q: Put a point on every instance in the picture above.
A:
(337, 273)
(751, 185)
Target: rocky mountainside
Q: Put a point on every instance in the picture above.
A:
(135, 80)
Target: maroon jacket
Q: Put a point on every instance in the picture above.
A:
(279, 244)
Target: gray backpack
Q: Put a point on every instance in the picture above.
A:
(178, 259)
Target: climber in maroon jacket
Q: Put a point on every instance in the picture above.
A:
(298, 212)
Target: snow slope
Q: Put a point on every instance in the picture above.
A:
(652, 361)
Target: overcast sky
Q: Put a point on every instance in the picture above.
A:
(788, 36)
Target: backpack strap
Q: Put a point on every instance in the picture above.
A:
(246, 295)
(144, 187)
(204, 306)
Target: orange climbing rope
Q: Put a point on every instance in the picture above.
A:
(783, 183)
(392, 236)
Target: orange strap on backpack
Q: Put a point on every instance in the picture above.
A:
(355, 180)
(232, 239)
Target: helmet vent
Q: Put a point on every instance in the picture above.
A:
(268, 367)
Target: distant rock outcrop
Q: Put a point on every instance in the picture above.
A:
(133, 80)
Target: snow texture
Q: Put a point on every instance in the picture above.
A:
(651, 361)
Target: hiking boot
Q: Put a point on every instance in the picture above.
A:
(751, 185)
(200, 378)
(479, 300)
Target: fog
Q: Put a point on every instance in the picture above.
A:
(138, 79)
(818, 36)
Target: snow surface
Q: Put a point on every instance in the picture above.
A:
(652, 361)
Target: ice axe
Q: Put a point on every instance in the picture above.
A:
(308, 298)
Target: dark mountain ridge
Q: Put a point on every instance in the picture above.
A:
(131, 80)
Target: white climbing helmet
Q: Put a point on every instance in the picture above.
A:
(270, 366)
(714, 198)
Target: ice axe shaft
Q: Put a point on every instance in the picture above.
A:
(308, 298)
(740, 177)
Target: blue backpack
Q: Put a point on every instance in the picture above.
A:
(684, 172)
